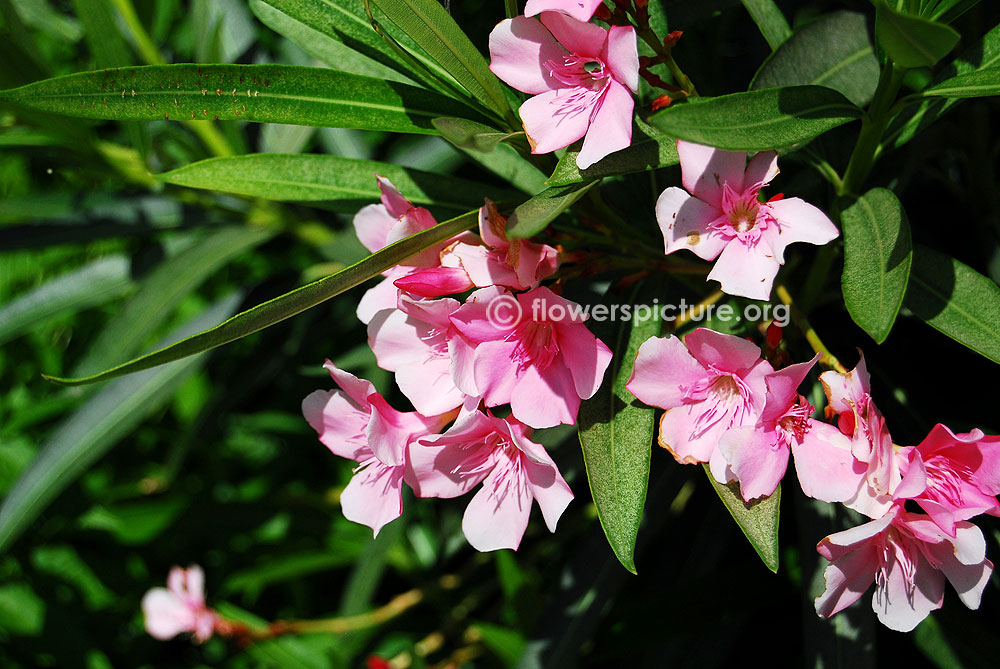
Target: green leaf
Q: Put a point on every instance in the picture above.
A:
(22, 612)
(133, 523)
(833, 51)
(758, 519)
(433, 29)
(90, 431)
(533, 216)
(757, 120)
(99, 282)
(286, 18)
(469, 134)
(162, 290)
(770, 21)
(978, 84)
(348, 182)
(289, 304)
(878, 253)
(956, 300)
(616, 432)
(911, 41)
(981, 55)
(65, 564)
(282, 651)
(649, 150)
(259, 93)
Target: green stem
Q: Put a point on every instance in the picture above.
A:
(873, 127)
(207, 133)
(649, 37)
(511, 7)
(827, 359)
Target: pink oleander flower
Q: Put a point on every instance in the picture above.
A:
(581, 10)
(721, 217)
(908, 557)
(180, 607)
(581, 76)
(543, 363)
(518, 264)
(709, 383)
(962, 473)
(497, 452)
(357, 423)
(849, 395)
(758, 454)
(377, 226)
(415, 341)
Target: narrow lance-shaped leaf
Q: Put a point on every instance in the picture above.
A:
(259, 93)
(877, 257)
(978, 84)
(650, 150)
(349, 183)
(92, 430)
(477, 142)
(289, 304)
(758, 120)
(769, 19)
(758, 519)
(533, 216)
(616, 432)
(834, 51)
(428, 24)
(912, 41)
(956, 300)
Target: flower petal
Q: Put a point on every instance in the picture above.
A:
(684, 221)
(555, 119)
(581, 10)
(726, 353)
(166, 615)
(757, 459)
(798, 221)
(498, 514)
(746, 271)
(825, 466)
(705, 170)
(374, 496)
(663, 366)
(621, 55)
(847, 579)
(611, 128)
(519, 49)
(761, 169)
(578, 37)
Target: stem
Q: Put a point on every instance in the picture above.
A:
(696, 310)
(511, 7)
(649, 37)
(210, 136)
(826, 358)
(873, 126)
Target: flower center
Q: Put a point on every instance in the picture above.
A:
(944, 479)
(536, 344)
(796, 421)
(745, 217)
(577, 71)
(726, 398)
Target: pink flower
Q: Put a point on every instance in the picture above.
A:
(581, 76)
(377, 226)
(850, 396)
(581, 10)
(708, 383)
(357, 423)
(720, 217)
(758, 454)
(543, 364)
(962, 473)
(909, 558)
(415, 342)
(519, 265)
(480, 448)
(180, 607)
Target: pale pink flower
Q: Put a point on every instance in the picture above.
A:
(481, 448)
(581, 76)
(850, 396)
(180, 607)
(356, 423)
(415, 341)
(581, 10)
(962, 473)
(543, 367)
(709, 383)
(377, 226)
(758, 454)
(518, 264)
(720, 217)
(908, 557)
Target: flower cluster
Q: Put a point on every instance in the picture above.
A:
(455, 363)
(727, 406)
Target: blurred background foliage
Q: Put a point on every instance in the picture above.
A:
(209, 461)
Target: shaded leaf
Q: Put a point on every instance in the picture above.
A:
(878, 253)
(533, 216)
(956, 300)
(758, 519)
(769, 19)
(22, 612)
(757, 120)
(649, 150)
(981, 83)
(912, 41)
(833, 51)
